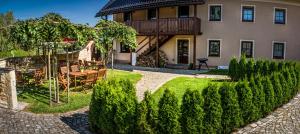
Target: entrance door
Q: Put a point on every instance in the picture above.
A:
(182, 51)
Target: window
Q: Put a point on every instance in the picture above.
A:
(248, 14)
(214, 48)
(127, 16)
(151, 14)
(247, 48)
(280, 16)
(278, 50)
(215, 13)
(124, 48)
(183, 11)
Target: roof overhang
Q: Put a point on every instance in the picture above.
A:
(118, 6)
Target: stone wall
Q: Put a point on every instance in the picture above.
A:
(8, 92)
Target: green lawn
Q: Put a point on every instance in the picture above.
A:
(38, 97)
(180, 84)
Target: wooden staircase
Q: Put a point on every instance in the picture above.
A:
(151, 43)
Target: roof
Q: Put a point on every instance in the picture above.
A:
(117, 6)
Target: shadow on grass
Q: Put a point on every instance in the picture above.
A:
(39, 93)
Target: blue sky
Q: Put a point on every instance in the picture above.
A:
(78, 11)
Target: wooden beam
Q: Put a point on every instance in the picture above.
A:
(195, 39)
(157, 37)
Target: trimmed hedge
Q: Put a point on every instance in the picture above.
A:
(258, 99)
(269, 92)
(192, 113)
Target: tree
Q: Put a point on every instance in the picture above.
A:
(285, 88)
(242, 71)
(289, 80)
(213, 110)
(245, 101)
(143, 126)
(192, 113)
(269, 92)
(231, 116)
(233, 68)
(261, 100)
(168, 114)
(250, 68)
(6, 20)
(151, 110)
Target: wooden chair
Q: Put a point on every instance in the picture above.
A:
(63, 82)
(74, 68)
(101, 74)
(89, 80)
(63, 70)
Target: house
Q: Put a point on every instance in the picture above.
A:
(186, 30)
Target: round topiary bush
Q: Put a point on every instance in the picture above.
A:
(168, 114)
(245, 101)
(213, 110)
(231, 116)
(112, 108)
(192, 113)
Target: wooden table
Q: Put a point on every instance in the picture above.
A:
(81, 74)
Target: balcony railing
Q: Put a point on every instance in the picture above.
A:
(169, 26)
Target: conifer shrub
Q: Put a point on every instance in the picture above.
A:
(231, 116)
(269, 94)
(278, 94)
(294, 79)
(266, 68)
(112, 110)
(143, 126)
(151, 110)
(281, 66)
(257, 97)
(213, 110)
(242, 69)
(262, 96)
(245, 101)
(192, 113)
(273, 66)
(168, 114)
(233, 69)
(250, 68)
(285, 88)
(259, 66)
(290, 84)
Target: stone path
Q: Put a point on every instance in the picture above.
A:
(13, 122)
(285, 120)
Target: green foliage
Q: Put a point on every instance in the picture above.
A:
(290, 84)
(285, 88)
(192, 112)
(242, 69)
(250, 68)
(231, 116)
(6, 20)
(273, 66)
(16, 53)
(151, 110)
(294, 79)
(277, 89)
(245, 101)
(260, 101)
(143, 126)
(168, 114)
(269, 94)
(213, 110)
(259, 66)
(258, 97)
(266, 68)
(281, 66)
(112, 110)
(233, 68)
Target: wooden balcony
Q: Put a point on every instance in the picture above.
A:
(169, 26)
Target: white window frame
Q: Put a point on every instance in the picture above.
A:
(176, 49)
(253, 49)
(254, 13)
(208, 48)
(209, 6)
(286, 15)
(273, 42)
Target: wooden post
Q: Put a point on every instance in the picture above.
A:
(195, 35)
(157, 37)
(68, 76)
(49, 75)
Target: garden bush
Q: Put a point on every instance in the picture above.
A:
(112, 110)
(192, 112)
(143, 126)
(242, 68)
(266, 68)
(250, 68)
(273, 66)
(277, 89)
(262, 95)
(285, 88)
(290, 87)
(213, 110)
(259, 66)
(168, 114)
(245, 101)
(233, 67)
(151, 110)
(269, 94)
(231, 116)
(258, 97)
